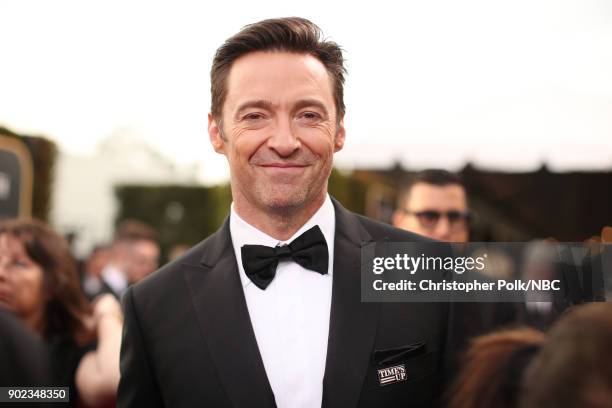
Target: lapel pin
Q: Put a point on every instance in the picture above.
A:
(392, 375)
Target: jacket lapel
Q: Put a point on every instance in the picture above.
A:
(222, 312)
(352, 323)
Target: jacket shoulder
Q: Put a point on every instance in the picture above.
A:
(169, 275)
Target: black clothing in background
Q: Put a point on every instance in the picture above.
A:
(23, 356)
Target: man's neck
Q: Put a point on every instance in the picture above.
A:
(279, 223)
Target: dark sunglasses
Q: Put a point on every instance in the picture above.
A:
(429, 218)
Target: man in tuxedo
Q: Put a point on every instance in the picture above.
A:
(267, 311)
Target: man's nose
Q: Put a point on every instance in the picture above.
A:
(283, 138)
(443, 229)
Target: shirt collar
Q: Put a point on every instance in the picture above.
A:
(115, 278)
(244, 233)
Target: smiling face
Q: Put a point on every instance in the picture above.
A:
(279, 131)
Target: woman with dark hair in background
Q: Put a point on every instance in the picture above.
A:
(569, 367)
(39, 283)
(574, 367)
(492, 369)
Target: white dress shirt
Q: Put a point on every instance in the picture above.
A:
(115, 279)
(290, 317)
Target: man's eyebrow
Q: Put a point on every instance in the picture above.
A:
(257, 103)
(304, 103)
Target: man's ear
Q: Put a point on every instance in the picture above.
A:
(340, 135)
(215, 133)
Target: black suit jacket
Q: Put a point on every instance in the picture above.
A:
(24, 356)
(188, 339)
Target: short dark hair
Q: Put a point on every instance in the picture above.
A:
(133, 230)
(436, 177)
(291, 34)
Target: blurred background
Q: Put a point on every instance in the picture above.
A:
(109, 102)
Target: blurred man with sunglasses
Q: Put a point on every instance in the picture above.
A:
(435, 205)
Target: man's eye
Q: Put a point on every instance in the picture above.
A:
(310, 115)
(253, 116)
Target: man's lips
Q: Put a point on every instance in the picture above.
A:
(282, 168)
(283, 165)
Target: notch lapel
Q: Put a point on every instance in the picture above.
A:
(352, 323)
(222, 313)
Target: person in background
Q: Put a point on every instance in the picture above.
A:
(23, 354)
(176, 251)
(538, 310)
(434, 204)
(492, 369)
(574, 366)
(39, 284)
(134, 255)
(568, 367)
(91, 279)
(597, 286)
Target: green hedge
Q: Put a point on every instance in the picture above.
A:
(350, 191)
(180, 214)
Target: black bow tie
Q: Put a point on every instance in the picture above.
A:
(308, 250)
